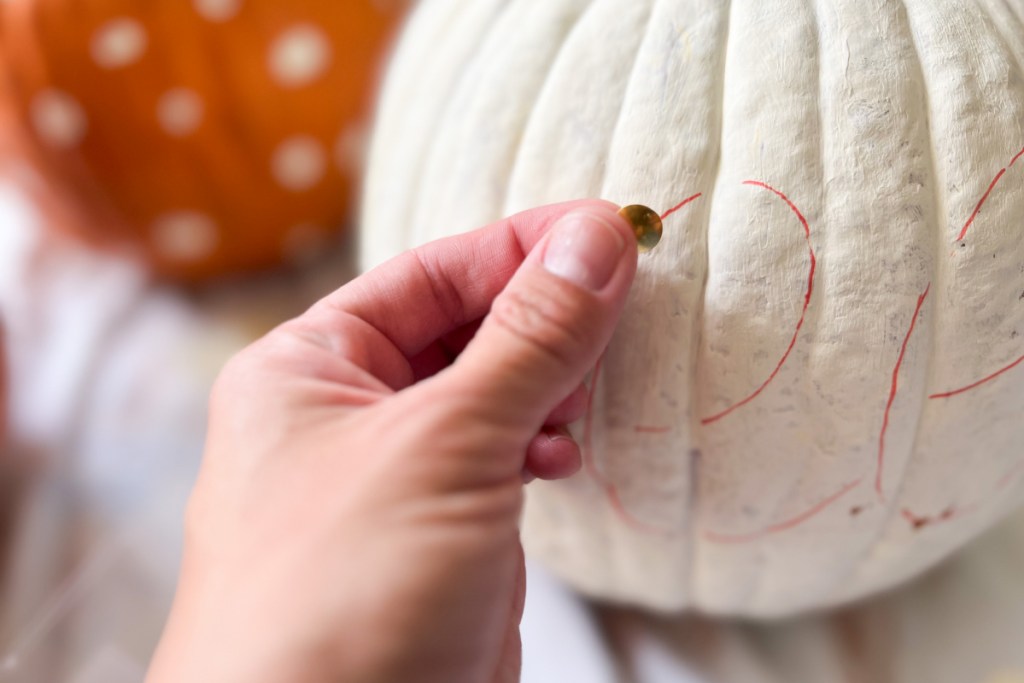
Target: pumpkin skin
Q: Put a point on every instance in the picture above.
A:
(215, 136)
(786, 418)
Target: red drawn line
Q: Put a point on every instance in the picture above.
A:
(629, 518)
(977, 209)
(803, 314)
(963, 233)
(1017, 158)
(645, 429)
(892, 394)
(820, 507)
(984, 198)
(919, 522)
(975, 385)
(681, 205)
(610, 490)
(954, 512)
(1010, 476)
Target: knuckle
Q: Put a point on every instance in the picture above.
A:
(554, 319)
(446, 295)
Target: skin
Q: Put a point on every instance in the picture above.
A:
(356, 514)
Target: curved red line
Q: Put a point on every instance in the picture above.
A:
(892, 393)
(629, 518)
(1017, 158)
(650, 429)
(1010, 476)
(610, 490)
(803, 313)
(785, 525)
(963, 233)
(981, 203)
(984, 198)
(984, 380)
(681, 205)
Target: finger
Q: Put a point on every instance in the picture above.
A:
(428, 292)
(549, 325)
(443, 352)
(553, 454)
(571, 408)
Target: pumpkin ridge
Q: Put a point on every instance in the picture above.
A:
(939, 176)
(997, 28)
(610, 489)
(694, 390)
(807, 314)
(617, 126)
(381, 145)
(711, 419)
(451, 102)
(697, 446)
(529, 119)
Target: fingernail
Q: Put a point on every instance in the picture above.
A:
(584, 249)
(559, 434)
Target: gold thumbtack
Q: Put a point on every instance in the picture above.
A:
(646, 225)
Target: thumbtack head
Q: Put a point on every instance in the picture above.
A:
(646, 225)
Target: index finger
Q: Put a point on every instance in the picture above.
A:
(423, 294)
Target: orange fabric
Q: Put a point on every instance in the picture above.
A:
(216, 135)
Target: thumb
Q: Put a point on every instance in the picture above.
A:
(551, 323)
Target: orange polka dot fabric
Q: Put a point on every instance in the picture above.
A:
(214, 136)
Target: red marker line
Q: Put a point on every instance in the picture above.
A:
(948, 515)
(645, 429)
(629, 518)
(892, 393)
(715, 537)
(610, 490)
(803, 314)
(954, 512)
(1017, 158)
(1010, 476)
(984, 198)
(963, 233)
(981, 203)
(984, 380)
(681, 205)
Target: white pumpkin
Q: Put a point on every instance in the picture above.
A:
(815, 392)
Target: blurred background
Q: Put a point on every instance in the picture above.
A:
(178, 176)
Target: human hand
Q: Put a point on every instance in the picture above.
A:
(355, 518)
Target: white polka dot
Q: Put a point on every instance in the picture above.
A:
(179, 111)
(118, 43)
(217, 10)
(299, 56)
(58, 119)
(304, 243)
(185, 236)
(351, 149)
(299, 163)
